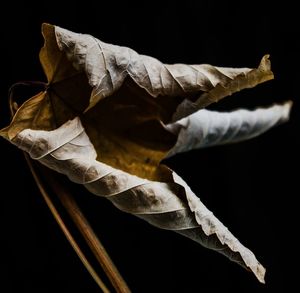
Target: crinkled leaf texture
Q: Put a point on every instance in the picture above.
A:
(109, 116)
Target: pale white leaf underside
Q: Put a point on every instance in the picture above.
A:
(208, 128)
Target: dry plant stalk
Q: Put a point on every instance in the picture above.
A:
(109, 116)
(65, 229)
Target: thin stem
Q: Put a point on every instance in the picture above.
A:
(87, 232)
(63, 227)
(12, 106)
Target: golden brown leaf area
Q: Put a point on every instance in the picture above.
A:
(125, 129)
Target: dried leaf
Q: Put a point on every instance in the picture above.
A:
(166, 205)
(82, 71)
(109, 116)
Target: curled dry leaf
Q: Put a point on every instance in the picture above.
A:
(109, 116)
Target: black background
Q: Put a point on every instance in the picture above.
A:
(252, 186)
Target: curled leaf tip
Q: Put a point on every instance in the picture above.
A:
(287, 109)
(265, 63)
